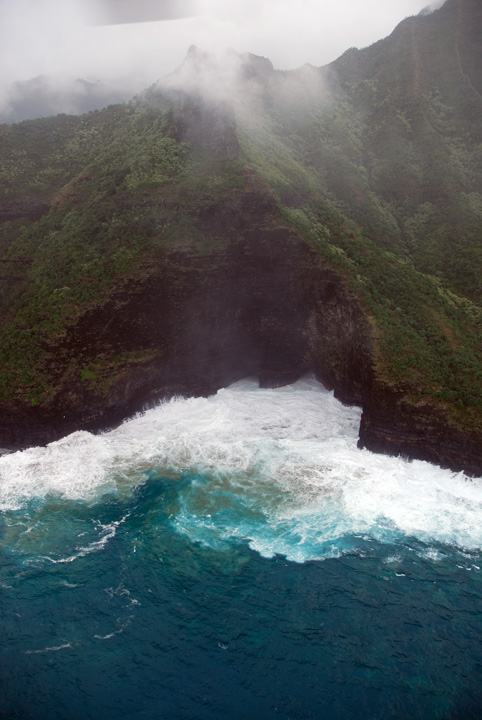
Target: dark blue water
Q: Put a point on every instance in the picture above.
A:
(108, 610)
(238, 557)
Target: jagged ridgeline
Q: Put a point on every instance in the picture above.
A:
(238, 220)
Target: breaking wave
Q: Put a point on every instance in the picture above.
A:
(278, 469)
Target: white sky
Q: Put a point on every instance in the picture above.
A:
(51, 36)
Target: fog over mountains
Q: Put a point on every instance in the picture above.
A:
(56, 59)
(42, 96)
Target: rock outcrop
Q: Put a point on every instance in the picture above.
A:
(392, 425)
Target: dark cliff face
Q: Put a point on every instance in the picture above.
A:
(391, 425)
(265, 305)
(262, 305)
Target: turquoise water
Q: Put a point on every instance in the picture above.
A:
(238, 557)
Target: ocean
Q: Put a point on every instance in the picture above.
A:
(238, 557)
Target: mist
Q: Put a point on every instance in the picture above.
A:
(67, 40)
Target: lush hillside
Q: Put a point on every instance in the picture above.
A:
(112, 191)
(251, 221)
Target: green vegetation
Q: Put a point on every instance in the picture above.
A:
(129, 191)
(379, 171)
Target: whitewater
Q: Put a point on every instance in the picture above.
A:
(239, 557)
(276, 468)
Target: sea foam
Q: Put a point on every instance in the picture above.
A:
(277, 468)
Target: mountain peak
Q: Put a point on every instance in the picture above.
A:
(216, 76)
(248, 65)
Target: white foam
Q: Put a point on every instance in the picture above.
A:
(115, 632)
(288, 453)
(106, 532)
(65, 646)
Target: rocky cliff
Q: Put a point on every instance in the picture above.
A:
(326, 220)
(264, 304)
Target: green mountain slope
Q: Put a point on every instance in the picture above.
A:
(242, 221)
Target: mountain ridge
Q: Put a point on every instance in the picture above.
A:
(323, 220)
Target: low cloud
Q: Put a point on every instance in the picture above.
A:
(117, 12)
(432, 7)
(56, 38)
(240, 82)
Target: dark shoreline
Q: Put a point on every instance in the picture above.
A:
(265, 306)
(434, 443)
